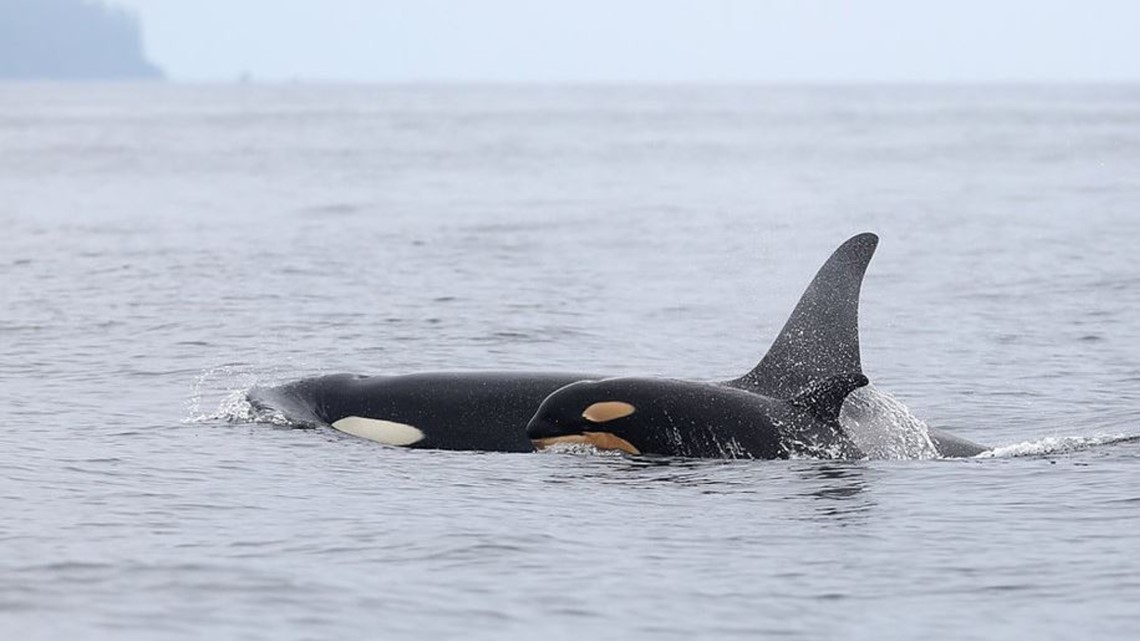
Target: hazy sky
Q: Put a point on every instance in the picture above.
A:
(646, 40)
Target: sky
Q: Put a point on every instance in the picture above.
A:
(646, 41)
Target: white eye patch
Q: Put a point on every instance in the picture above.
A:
(607, 411)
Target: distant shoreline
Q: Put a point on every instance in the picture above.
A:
(71, 40)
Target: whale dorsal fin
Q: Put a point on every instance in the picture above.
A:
(821, 338)
(824, 398)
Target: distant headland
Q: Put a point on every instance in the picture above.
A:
(71, 40)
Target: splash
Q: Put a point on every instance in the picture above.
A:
(229, 384)
(813, 451)
(579, 449)
(884, 428)
(1057, 445)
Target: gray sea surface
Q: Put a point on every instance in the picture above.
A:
(164, 248)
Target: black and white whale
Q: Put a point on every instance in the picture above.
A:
(489, 411)
(788, 406)
(666, 417)
(480, 411)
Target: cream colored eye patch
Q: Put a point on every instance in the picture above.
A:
(607, 411)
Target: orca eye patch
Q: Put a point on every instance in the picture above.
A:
(607, 411)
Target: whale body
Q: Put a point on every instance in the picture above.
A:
(490, 411)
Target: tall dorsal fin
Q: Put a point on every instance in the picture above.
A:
(821, 338)
(824, 398)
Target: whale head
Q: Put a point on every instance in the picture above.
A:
(597, 413)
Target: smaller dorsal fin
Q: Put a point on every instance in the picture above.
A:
(824, 399)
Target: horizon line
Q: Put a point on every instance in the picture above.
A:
(249, 80)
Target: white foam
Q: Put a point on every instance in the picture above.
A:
(884, 428)
(1056, 445)
(230, 384)
(381, 431)
(578, 449)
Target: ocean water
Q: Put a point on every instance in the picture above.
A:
(163, 248)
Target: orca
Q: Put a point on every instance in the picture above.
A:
(481, 411)
(490, 411)
(787, 406)
(664, 417)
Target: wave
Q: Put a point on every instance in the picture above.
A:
(1057, 445)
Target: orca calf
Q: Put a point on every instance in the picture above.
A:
(814, 358)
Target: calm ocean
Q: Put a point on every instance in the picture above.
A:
(163, 248)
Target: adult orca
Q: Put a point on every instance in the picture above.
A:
(482, 411)
(787, 406)
(489, 411)
(698, 420)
